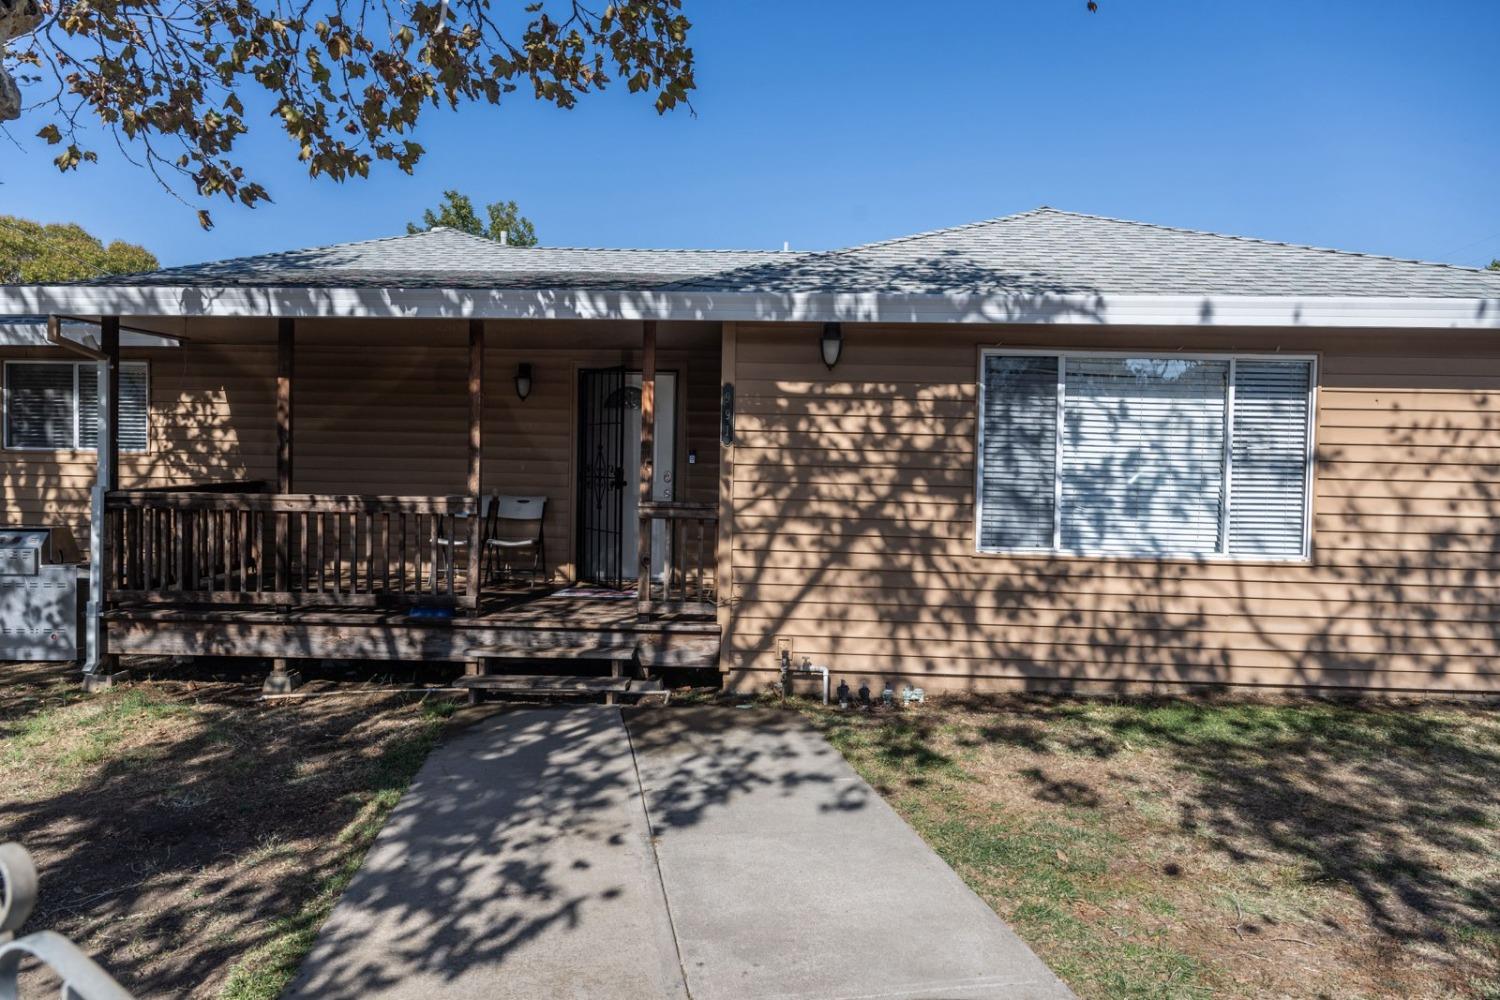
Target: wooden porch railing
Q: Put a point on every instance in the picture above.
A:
(216, 486)
(687, 580)
(298, 549)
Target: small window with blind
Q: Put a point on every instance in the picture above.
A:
(1172, 455)
(54, 406)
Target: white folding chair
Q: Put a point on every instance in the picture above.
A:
(516, 525)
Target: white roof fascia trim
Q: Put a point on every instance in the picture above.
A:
(875, 307)
(34, 334)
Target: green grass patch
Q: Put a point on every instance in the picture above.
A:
(1036, 872)
(74, 734)
(1349, 730)
(1040, 874)
(1129, 841)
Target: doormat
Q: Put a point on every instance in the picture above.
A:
(601, 593)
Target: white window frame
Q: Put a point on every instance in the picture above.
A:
(78, 367)
(1222, 555)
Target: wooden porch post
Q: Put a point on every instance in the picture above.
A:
(285, 350)
(724, 564)
(648, 437)
(476, 456)
(100, 666)
(285, 346)
(283, 679)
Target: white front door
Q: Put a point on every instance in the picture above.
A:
(664, 473)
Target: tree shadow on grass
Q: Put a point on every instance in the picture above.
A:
(209, 825)
(902, 745)
(174, 823)
(1400, 803)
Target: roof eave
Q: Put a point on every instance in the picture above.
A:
(697, 305)
(24, 331)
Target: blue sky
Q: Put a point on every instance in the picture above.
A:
(1367, 125)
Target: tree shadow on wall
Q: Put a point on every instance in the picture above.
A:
(855, 533)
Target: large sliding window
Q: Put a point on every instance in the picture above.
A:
(1168, 455)
(54, 405)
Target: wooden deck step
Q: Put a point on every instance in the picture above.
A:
(545, 684)
(649, 692)
(608, 654)
(556, 685)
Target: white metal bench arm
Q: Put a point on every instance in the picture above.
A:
(81, 976)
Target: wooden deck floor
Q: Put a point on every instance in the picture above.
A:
(519, 619)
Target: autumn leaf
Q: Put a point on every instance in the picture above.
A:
(347, 81)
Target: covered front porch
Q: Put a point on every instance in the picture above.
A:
(349, 490)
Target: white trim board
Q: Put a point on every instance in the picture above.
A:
(573, 303)
(33, 333)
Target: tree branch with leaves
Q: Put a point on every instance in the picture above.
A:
(506, 223)
(347, 80)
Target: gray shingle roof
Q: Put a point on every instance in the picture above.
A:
(447, 258)
(1041, 252)
(1047, 251)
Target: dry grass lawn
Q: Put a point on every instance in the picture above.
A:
(190, 837)
(1184, 849)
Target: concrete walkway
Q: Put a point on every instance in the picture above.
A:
(712, 854)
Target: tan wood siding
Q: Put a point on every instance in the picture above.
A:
(853, 527)
(211, 418)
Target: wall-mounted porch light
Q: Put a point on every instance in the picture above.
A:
(832, 343)
(523, 379)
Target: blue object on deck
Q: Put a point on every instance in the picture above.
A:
(438, 613)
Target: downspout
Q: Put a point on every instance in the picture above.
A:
(96, 667)
(94, 660)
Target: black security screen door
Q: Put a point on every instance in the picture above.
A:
(601, 478)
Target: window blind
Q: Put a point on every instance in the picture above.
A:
(1143, 455)
(1020, 452)
(134, 407)
(40, 404)
(54, 405)
(1268, 469)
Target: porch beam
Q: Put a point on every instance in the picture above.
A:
(648, 437)
(476, 456)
